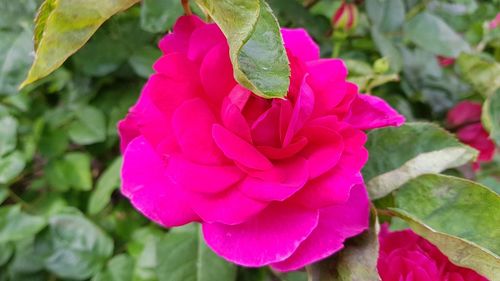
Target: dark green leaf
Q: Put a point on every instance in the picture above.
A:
(6, 250)
(458, 216)
(16, 225)
(142, 60)
(80, 248)
(106, 184)
(431, 33)
(183, 256)
(388, 49)
(66, 29)
(89, 126)
(424, 148)
(71, 171)
(256, 48)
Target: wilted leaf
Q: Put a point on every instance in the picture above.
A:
(68, 26)
(431, 33)
(358, 260)
(256, 48)
(106, 184)
(491, 116)
(483, 74)
(80, 248)
(11, 165)
(89, 126)
(460, 217)
(183, 256)
(400, 154)
(16, 225)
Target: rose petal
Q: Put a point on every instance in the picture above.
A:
(465, 112)
(234, 121)
(271, 236)
(239, 150)
(370, 112)
(323, 151)
(228, 208)
(301, 112)
(279, 183)
(202, 178)
(178, 40)
(300, 44)
(216, 74)
(192, 124)
(210, 35)
(145, 183)
(335, 225)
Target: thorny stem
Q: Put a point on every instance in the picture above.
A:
(186, 7)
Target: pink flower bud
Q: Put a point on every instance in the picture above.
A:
(495, 22)
(445, 61)
(346, 17)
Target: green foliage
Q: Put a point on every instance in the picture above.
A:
(61, 215)
(427, 149)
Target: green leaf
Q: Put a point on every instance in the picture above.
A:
(491, 116)
(89, 126)
(8, 134)
(142, 60)
(358, 259)
(257, 53)
(6, 251)
(459, 216)
(388, 49)
(72, 171)
(431, 33)
(106, 184)
(119, 268)
(79, 174)
(158, 16)
(183, 256)
(424, 148)
(66, 28)
(143, 248)
(16, 225)
(16, 14)
(4, 194)
(15, 59)
(80, 248)
(386, 15)
(11, 165)
(481, 73)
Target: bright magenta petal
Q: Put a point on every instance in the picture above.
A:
(271, 236)
(178, 40)
(239, 150)
(370, 112)
(300, 44)
(335, 225)
(192, 125)
(145, 183)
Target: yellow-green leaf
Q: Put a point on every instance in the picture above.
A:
(63, 27)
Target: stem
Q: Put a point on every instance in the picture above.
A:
(309, 3)
(186, 7)
(313, 273)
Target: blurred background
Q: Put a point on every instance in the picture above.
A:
(62, 216)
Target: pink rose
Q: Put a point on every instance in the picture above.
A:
(345, 17)
(465, 117)
(272, 181)
(494, 22)
(445, 61)
(405, 256)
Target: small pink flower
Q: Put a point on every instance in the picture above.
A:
(272, 181)
(465, 117)
(495, 22)
(345, 17)
(406, 256)
(445, 61)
